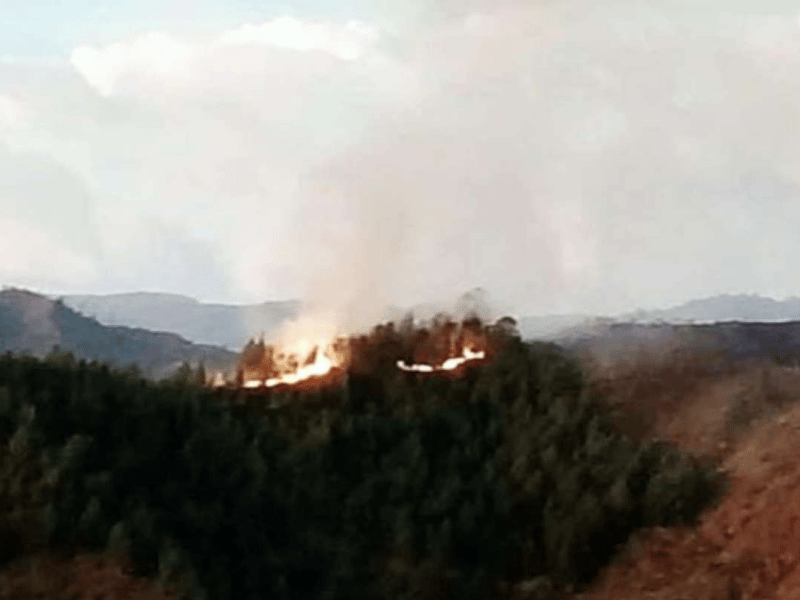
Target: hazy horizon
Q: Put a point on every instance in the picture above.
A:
(566, 156)
(495, 311)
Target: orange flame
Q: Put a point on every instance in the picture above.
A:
(218, 380)
(311, 352)
(320, 367)
(448, 365)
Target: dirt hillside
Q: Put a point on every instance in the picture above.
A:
(748, 547)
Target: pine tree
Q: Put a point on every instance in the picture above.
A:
(200, 375)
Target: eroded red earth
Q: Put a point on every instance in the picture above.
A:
(748, 547)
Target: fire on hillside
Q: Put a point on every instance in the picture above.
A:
(269, 367)
(467, 355)
(440, 346)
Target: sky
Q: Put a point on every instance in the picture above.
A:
(564, 155)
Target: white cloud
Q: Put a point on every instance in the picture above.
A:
(157, 54)
(161, 57)
(214, 135)
(582, 148)
(348, 42)
(32, 257)
(37, 190)
(155, 255)
(12, 113)
(563, 155)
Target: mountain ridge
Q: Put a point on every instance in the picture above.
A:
(33, 324)
(232, 325)
(745, 308)
(225, 325)
(724, 307)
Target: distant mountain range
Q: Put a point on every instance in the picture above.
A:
(225, 325)
(745, 308)
(725, 307)
(231, 326)
(154, 330)
(34, 324)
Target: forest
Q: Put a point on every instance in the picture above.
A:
(379, 485)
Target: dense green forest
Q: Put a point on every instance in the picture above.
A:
(384, 485)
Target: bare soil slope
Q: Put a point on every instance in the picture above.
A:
(748, 547)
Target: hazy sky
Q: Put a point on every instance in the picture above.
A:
(566, 155)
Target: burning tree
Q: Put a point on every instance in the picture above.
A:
(442, 344)
(390, 485)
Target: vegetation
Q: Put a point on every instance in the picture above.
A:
(384, 485)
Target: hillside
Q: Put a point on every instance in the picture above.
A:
(747, 416)
(226, 325)
(610, 343)
(743, 548)
(33, 324)
(380, 485)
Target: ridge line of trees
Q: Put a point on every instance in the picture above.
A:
(387, 485)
